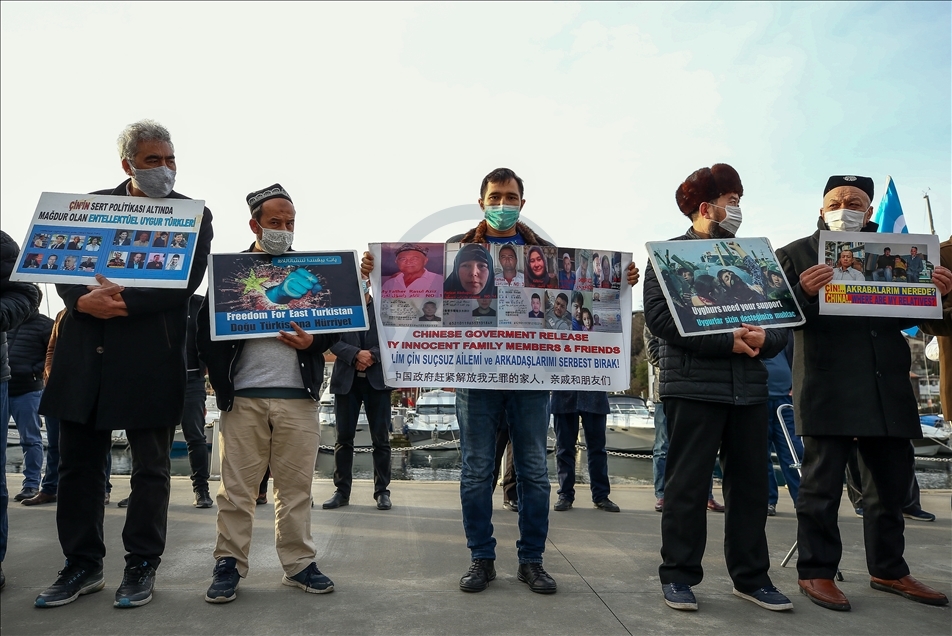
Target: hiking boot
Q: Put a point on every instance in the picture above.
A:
(225, 580)
(535, 576)
(73, 582)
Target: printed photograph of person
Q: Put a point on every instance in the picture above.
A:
(536, 301)
(40, 240)
(605, 303)
(93, 243)
(122, 238)
(156, 261)
(557, 311)
(59, 242)
(88, 264)
(137, 261)
(847, 268)
(484, 308)
(179, 241)
(52, 262)
(583, 273)
(429, 312)
(174, 263)
(75, 242)
(118, 259)
(566, 272)
(507, 265)
(604, 271)
(775, 288)
(539, 272)
(616, 270)
(142, 239)
(69, 263)
(472, 275)
(408, 271)
(33, 261)
(588, 322)
(579, 302)
(734, 289)
(161, 239)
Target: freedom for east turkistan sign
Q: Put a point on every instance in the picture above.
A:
(133, 241)
(502, 316)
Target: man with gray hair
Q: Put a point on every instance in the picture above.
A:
(119, 363)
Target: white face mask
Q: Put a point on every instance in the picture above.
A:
(275, 242)
(731, 223)
(844, 220)
(156, 183)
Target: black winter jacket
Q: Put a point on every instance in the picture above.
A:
(221, 356)
(17, 300)
(705, 367)
(27, 349)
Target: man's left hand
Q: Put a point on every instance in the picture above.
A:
(755, 336)
(633, 274)
(363, 360)
(299, 340)
(942, 278)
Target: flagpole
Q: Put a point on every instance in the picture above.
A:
(925, 195)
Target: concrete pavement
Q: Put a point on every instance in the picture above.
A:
(398, 571)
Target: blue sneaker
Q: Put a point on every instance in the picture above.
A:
(679, 596)
(310, 580)
(768, 598)
(225, 578)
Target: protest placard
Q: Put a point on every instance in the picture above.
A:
(714, 286)
(495, 316)
(879, 274)
(256, 295)
(133, 241)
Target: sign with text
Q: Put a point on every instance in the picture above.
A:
(715, 286)
(133, 241)
(502, 316)
(878, 274)
(256, 295)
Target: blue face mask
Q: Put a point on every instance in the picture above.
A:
(501, 217)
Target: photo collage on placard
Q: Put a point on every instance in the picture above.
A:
(82, 250)
(500, 285)
(411, 276)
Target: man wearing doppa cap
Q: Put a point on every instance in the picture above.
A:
(413, 275)
(876, 408)
(267, 390)
(714, 389)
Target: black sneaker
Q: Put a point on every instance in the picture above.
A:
(138, 581)
(123, 503)
(480, 573)
(310, 580)
(202, 499)
(767, 597)
(537, 578)
(607, 505)
(679, 596)
(73, 582)
(562, 504)
(225, 580)
(26, 493)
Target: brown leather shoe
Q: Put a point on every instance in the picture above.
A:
(824, 593)
(909, 588)
(40, 498)
(714, 506)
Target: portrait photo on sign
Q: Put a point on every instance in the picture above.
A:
(411, 270)
(541, 269)
(470, 271)
(520, 307)
(715, 286)
(509, 264)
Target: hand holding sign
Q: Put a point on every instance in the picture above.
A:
(814, 279)
(297, 283)
(103, 300)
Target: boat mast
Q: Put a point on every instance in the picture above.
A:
(925, 195)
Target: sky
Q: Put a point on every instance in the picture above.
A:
(376, 115)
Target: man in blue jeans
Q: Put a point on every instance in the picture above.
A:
(779, 387)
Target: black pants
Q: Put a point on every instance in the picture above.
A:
(857, 474)
(566, 437)
(193, 427)
(82, 488)
(347, 410)
(821, 487)
(504, 446)
(696, 429)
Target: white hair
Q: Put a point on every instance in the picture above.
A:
(144, 130)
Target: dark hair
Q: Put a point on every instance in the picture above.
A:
(704, 286)
(682, 270)
(577, 298)
(563, 297)
(886, 249)
(429, 302)
(536, 296)
(500, 175)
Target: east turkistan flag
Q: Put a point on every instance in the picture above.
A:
(889, 214)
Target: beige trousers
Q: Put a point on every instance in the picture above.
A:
(258, 432)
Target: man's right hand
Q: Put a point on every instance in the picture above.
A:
(367, 264)
(742, 347)
(363, 360)
(104, 300)
(815, 279)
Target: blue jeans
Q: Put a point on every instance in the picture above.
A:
(776, 440)
(659, 454)
(480, 413)
(884, 274)
(5, 418)
(51, 478)
(23, 408)
(566, 437)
